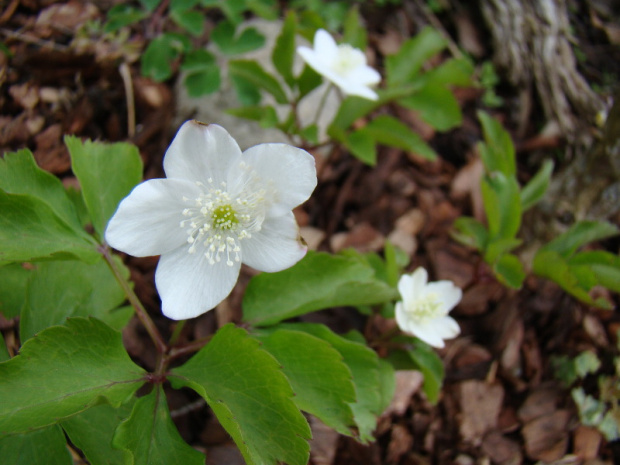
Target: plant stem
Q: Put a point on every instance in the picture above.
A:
(176, 332)
(141, 312)
(319, 110)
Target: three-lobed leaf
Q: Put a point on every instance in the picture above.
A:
(250, 396)
(63, 371)
(107, 173)
(317, 282)
(230, 43)
(149, 437)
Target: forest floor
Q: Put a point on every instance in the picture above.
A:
(500, 403)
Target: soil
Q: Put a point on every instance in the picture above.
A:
(500, 403)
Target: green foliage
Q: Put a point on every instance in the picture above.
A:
(81, 362)
(13, 280)
(202, 74)
(225, 37)
(250, 396)
(46, 445)
(149, 437)
(95, 164)
(318, 281)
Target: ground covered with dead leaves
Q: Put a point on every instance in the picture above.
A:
(501, 403)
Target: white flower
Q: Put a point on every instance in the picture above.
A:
(424, 309)
(342, 64)
(216, 209)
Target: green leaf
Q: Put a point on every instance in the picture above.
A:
(283, 55)
(149, 437)
(81, 363)
(307, 81)
(363, 145)
(4, 351)
(321, 381)
(192, 21)
(47, 446)
(498, 152)
(29, 229)
(423, 358)
(233, 9)
(250, 396)
(310, 133)
(405, 65)
(203, 82)
(318, 281)
(351, 109)
(247, 93)
(267, 9)
(586, 362)
(92, 431)
(150, 5)
(107, 173)
(265, 115)
(157, 58)
(252, 72)
(122, 15)
(535, 189)
(61, 289)
(364, 365)
(354, 31)
(471, 232)
(500, 246)
(509, 270)
(182, 5)
(604, 265)
(580, 234)
(387, 384)
(502, 205)
(224, 37)
(388, 130)
(452, 72)
(436, 106)
(13, 280)
(19, 174)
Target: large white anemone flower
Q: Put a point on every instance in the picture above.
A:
(217, 208)
(341, 64)
(424, 309)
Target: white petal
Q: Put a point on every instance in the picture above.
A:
(189, 286)
(325, 46)
(316, 62)
(291, 170)
(147, 220)
(429, 333)
(405, 288)
(201, 151)
(360, 91)
(365, 75)
(447, 327)
(448, 293)
(276, 246)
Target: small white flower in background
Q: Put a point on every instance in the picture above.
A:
(424, 308)
(217, 208)
(342, 64)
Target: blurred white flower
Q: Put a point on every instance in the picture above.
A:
(342, 64)
(424, 308)
(217, 208)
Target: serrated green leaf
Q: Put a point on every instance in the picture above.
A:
(149, 437)
(107, 173)
(92, 431)
(190, 20)
(580, 234)
(364, 365)
(80, 363)
(423, 358)
(230, 43)
(502, 205)
(47, 446)
(247, 93)
(471, 232)
(29, 229)
(318, 281)
(61, 289)
(436, 105)
(198, 60)
(389, 131)
(157, 58)
(354, 30)
(19, 174)
(509, 270)
(252, 72)
(283, 55)
(321, 381)
(387, 384)
(250, 396)
(405, 65)
(203, 82)
(13, 280)
(498, 152)
(535, 189)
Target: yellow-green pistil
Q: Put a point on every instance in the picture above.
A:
(224, 217)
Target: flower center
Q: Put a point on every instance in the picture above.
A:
(425, 308)
(219, 219)
(347, 59)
